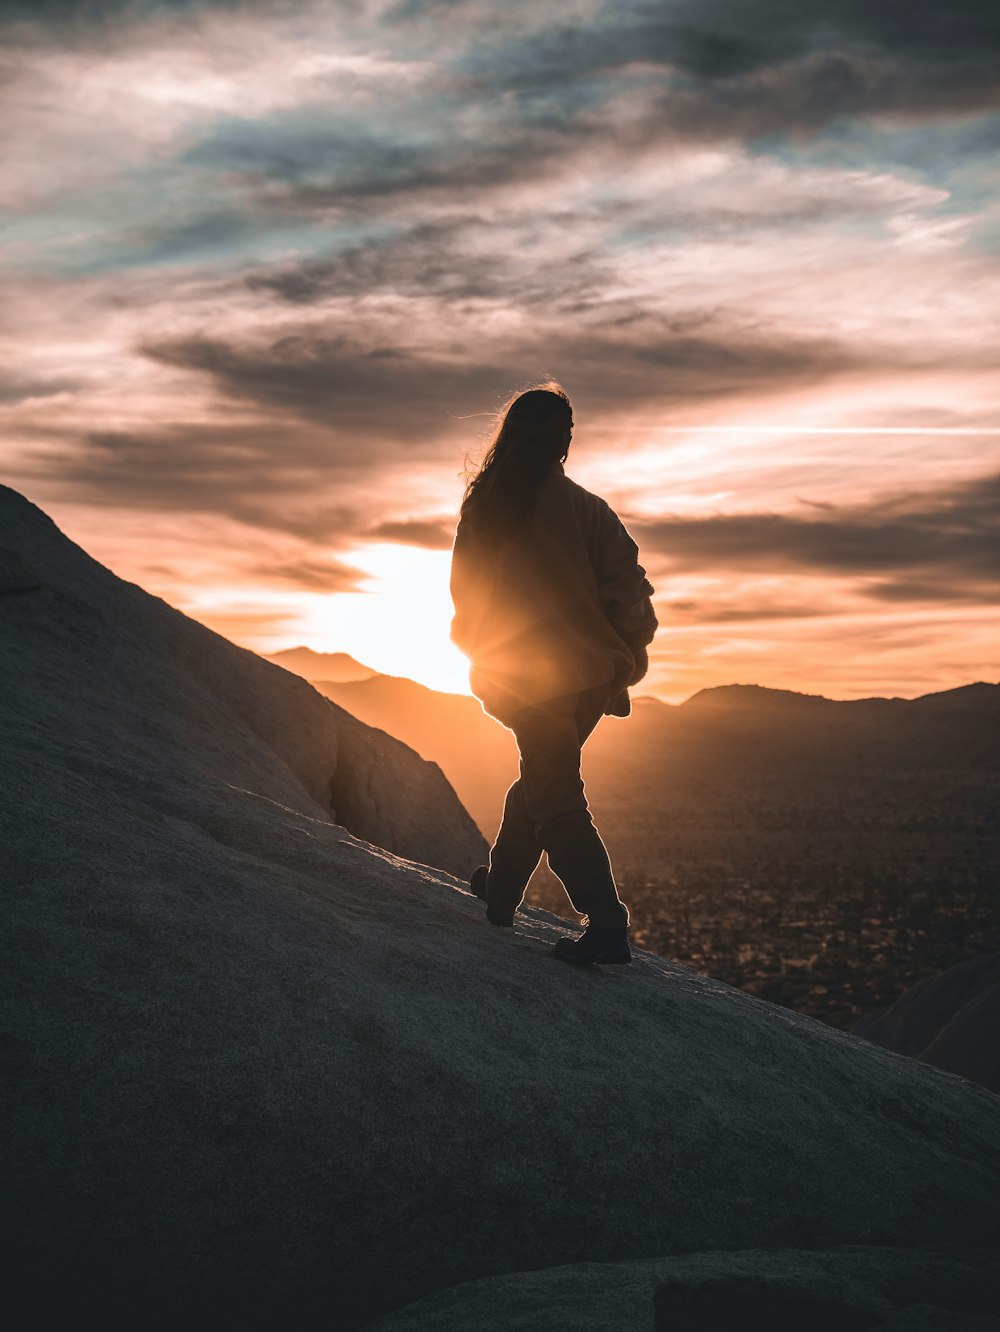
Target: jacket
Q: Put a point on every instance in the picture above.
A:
(560, 606)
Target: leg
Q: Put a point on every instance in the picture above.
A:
(578, 855)
(517, 849)
(514, 856)
(550, 738)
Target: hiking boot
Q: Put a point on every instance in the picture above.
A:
(598, 943)
(479, 883)
(480, 878)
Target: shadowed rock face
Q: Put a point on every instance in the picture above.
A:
(122, 676)
(951, 1021)
(267, 1075)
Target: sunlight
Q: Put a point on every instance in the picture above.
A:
(399, 625)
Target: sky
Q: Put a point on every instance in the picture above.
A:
(269, 269)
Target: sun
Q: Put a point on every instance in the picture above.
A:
(400, 623)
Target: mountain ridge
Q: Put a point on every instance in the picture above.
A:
(338, 667)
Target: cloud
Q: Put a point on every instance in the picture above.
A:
(414, 532)
(248, 623)
(935, 545)
(810, 64)
(411, 398)
(253, 473)
(392, 398)
(275, 264)
(17, 388)
(86, 15)
(313, 575)
(719, 611)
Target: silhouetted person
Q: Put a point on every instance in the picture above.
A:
(552, 608)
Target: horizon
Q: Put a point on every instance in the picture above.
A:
(271, 273)
(639, 694)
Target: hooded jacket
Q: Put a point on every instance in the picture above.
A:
(560, 606)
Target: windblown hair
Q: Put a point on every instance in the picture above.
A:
(529, 437)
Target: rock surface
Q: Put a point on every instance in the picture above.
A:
(951, 1020)
(119, 675)
(266, 1075)
(786, 1290)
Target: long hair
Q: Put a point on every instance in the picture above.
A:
(530, 436)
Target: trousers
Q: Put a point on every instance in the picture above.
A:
(546, 810)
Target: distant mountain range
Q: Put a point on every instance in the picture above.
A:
(723, 751)
(334, 666)
(826, 854)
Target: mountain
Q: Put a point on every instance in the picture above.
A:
(266, 1074)
(737, 752)
(338, 666)
(826, 854)
(733, 742)
(757, 696)
(477, 754)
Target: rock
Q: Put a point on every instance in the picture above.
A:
(264, 1074)
(15, 576)
(112, 667)
(783, 1290)
(951, 1020)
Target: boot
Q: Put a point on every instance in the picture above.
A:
(580, 859)
(479, 883)
(598, 943)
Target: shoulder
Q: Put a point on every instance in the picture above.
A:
(584, 501)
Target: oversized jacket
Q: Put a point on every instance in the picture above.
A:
(558, 607)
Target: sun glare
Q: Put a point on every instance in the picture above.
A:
(400, 624)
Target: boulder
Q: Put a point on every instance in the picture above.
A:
(950, 1020)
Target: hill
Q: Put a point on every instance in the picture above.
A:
(336, 666)
(735, 741)
(477, 754)
(824, 853)
(266, 1074)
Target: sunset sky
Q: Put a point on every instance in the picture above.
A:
(270, 267)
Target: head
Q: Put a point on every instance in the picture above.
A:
(533, 432)
(538, 421)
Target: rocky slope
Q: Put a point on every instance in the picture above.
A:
(478, 755)
(951, 1020)
(267, 1075)
(117, 673)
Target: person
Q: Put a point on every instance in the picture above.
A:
(553, 610)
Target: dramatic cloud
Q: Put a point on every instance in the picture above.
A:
(255, 475)
(804, 63)
(945, 544)
(271, 268)
(407, 394)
